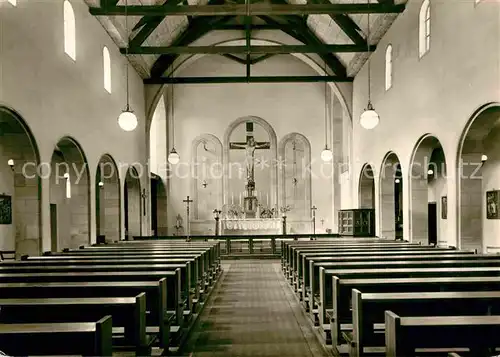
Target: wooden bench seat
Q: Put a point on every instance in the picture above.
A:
(127, 312)
(86, 339)
(368, 310)
(326, 277)
(156, 297)
(342, 292)
(403, 335)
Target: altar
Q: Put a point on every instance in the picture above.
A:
(251, 226)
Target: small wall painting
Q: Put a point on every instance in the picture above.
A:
(492, 204)
(5, 209)
(444, 207)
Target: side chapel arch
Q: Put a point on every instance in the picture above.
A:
(286, 144)
(209, 173)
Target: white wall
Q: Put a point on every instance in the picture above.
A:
(286, 107)
(59, 97)
(435, 94)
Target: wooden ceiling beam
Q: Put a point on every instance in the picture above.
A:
(256, 9)
(268, 49)
(245, 79)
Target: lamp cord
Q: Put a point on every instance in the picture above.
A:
(172, 108)
(368, 51)
(126, 53)
(326, 110)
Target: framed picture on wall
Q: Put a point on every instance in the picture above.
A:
(492, 204)
(444, 207)
(5, 209)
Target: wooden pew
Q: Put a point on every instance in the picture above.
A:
(86, 339)
(173, 279)
(403, 335)
(158, 320)
(292, 253)
(128, 313)
(325, 300)
(306, 271)
(368, 310)
(339, 312)
(187, 282)
(210, 272)
(295, 257)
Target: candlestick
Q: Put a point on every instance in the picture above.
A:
(267, 199)
(240, 198)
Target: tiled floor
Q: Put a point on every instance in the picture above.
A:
(253, 313)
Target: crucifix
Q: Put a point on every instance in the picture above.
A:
(188, 225)
(250, 145)
(313, 209)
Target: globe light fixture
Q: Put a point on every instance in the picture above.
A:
(326, 154)
(369, 119)
(173, 157)
(397, 180)
(430, 172)
(10, 162)
(101, 184)
(484, 158)
(127, 120)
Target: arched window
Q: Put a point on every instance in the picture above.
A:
(106, 59)
(388, 67)
(69, 30)
(425, 28)
(13, 2)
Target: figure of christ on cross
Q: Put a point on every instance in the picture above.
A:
(250, 146)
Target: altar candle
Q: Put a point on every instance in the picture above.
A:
(267, 199)
(232, 199)
(240, 198)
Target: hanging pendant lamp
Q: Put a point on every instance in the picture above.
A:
(370, 118)
(173, 156)
(326, 154)
(127, 119)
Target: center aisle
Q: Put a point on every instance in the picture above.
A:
(253, 312)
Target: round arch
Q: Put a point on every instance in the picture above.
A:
(366, 187)
(314, 63)
(474, 179)
(428, 189)
(108, 200)
(291, 137)
(133, 204)
(26, 223)
(391, 197)
(69, 195)
(213, 176)
(225, 157)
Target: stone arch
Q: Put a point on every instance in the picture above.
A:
(427, 188)
(366, 187)
(480, 136)
(69, 195)
(134, 210)
(154, 92)
(22, 183)
(307, 198)
(108, 199)
(159, 206)
(212, 171)
(391, 197)
(225, 157)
